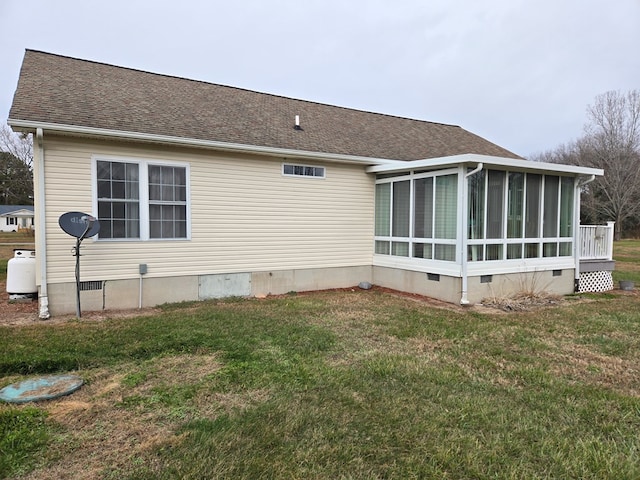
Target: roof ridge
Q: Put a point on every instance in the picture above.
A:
(95, 62)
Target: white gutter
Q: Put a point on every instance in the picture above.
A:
(576, 234)
(41, 236)
(464, 300)
(194, 142)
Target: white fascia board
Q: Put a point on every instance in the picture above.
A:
(487, 160)
(194, 142)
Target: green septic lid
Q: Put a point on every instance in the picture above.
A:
(43, 388)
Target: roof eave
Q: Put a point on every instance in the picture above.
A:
(28, 125)
(488, 160)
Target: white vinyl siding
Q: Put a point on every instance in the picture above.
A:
(245, 215)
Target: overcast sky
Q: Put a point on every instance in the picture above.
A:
(517, 72)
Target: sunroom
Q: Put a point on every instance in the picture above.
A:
(467, 227)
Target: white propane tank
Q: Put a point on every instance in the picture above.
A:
(21, 273)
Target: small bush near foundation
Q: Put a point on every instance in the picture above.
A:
(522, 301)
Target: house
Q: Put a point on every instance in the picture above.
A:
(14, 218)
(207, 191)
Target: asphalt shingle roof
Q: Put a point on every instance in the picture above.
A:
(68, 91)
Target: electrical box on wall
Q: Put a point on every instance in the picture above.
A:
(143, 268)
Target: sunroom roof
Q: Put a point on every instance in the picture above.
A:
(488, 162)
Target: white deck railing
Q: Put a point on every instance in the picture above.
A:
(596, 242)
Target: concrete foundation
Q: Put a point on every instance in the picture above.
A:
(126, 294)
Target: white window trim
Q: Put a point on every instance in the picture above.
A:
(143, 173)
(292, 175)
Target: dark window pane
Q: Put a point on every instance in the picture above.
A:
(400, 213)
(514, 251)
(119, 229)
(180, 176)
(476, 205)
(494, 252)
(118, 210)
(515, 204)
(105, 228)
(495, 203)
(118, 190)
(475, 253)
(550, 250)
(155, 192)
(103, 170)
(155, 212)
(132, 172)
(550, 211)
(423, 208)
(167, 193)
(181, 229)
(118, 171)
(532, 207)
(104, 189)
(167, 229)
(104, 211)
(155, 230)
(383, 248)
(531, 250)
(445, 252)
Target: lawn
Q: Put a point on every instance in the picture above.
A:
(348, 384)
(10, 241)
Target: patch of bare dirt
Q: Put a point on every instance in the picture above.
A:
(25, 312)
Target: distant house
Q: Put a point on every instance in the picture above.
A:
(205, 191)
(16, 217)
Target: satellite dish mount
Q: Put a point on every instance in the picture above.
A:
(79, 225)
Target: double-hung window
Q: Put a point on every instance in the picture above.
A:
(141, 200)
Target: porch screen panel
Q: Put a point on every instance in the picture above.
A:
(401, 205)
(532, 207)
(515, 206)
(423, 208)
(446, 206)
(476, 205)
(550, 215)
(566, 207)
(495, 203)
(383, 209)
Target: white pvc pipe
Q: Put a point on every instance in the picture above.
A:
(464, 300)
(41, 231)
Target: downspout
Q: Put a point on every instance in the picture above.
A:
(41, 242)
(463, 257)
(576, 235)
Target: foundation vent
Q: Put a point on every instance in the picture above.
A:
(91, 285)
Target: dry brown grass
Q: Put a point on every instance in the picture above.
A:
(100, 433)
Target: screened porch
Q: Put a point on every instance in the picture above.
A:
(473, 215)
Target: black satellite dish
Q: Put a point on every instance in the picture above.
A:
(79, 225)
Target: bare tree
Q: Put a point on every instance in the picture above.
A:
(612, 142)
(16, 181)
(16, 159)
(19, 145)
